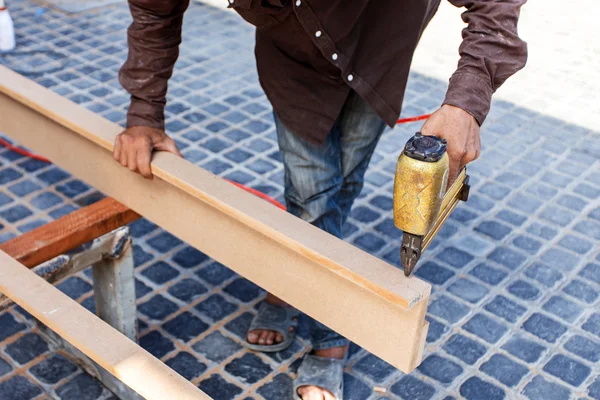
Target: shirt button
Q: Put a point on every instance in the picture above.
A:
(350, 78)
(298, 2)
(334, 56)
(318, 33)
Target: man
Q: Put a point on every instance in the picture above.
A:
(335, 72)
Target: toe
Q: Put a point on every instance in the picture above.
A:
(310, 393)
(279, 338)
(263, 337)
(253, 336)
(270, 338)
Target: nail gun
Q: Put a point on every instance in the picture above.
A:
(421, 202)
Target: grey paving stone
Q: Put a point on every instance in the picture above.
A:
(157, 308)
(448, 309)
(567, 369)
(544, 327)
(441, 369)
(488, 274)
(217, 347)
(468, 290)
(593, 324)
(465, 349)
(436, 330)
(584, 348)
(433, 273)
(185, 326)
(594, 389)
(156, 344)
(82, 387)
(524, 290)
(475, 388)
(160, 272)
(9, 326)
(504, 370)
(355, 389)
(507, 257)
(53, 369)
(248, 369)
(5, 367)
(505, 308)
(592, 272)
(563, 308)
(26, 348)
(216, 386)
(374, 368)
(216, 307)
(18, 388)
(411, 388)
(187, 290)
(279, 388)
(525, 349)
(493, 229)
(543, 274)
(485, 328)
(542, 389)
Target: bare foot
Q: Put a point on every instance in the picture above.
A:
(260, 336)
(315, 392)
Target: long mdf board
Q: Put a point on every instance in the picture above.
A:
(127, 361)
(358, 295)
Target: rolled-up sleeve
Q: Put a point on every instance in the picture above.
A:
(491, 51)
(153, 39)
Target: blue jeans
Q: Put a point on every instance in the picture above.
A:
(321, 182)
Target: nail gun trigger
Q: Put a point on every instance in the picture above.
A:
(466, 188)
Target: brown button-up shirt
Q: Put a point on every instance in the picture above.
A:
(311, 53)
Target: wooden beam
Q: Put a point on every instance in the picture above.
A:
(66, 233)
(123, 358)
(356, 294)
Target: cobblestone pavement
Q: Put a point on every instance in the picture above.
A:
(516, 271)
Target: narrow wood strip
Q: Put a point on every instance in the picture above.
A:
(124, 359)
(72, 230)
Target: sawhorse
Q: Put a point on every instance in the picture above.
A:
(92, 236)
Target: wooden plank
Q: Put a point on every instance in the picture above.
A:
(72, 230)
(360, 296)
(123, 358)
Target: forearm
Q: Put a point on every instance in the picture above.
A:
(153, 39)
(490, 53)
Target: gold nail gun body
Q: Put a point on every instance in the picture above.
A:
(421, 202)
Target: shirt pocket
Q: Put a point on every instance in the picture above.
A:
(252, 11)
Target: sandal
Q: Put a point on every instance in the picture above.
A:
(274, 318)
(326, 373)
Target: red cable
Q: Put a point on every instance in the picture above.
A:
(255, 192)
(413, 119)
(259, 194)
(22, 152)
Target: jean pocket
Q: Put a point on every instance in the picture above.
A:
(252, 12)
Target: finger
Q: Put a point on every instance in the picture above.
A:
(132, 159)
(168, 144)
(117, 148)
(144, 156)
(123, 153)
